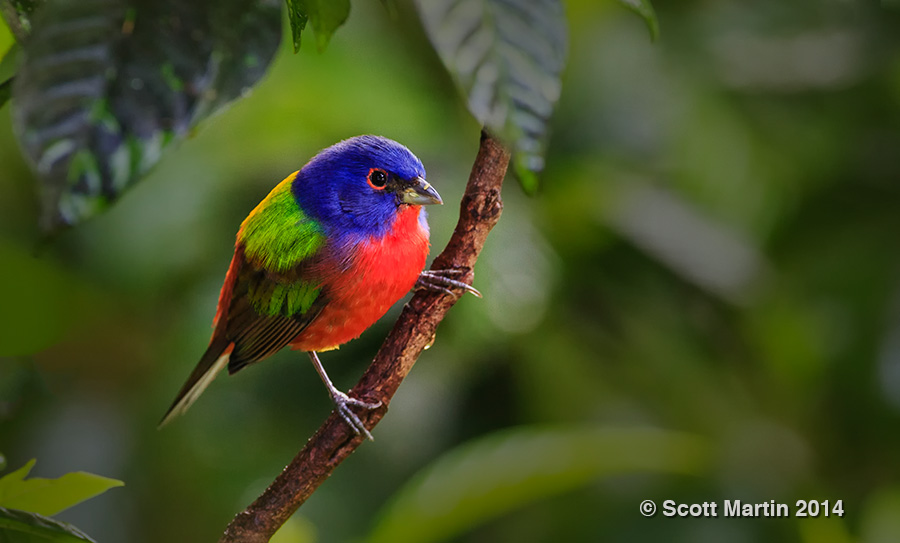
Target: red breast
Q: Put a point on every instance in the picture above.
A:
(383, 270)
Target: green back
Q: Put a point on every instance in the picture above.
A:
(277, 237)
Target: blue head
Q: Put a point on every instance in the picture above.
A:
(359, 185)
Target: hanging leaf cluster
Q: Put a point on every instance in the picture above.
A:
(507, 58)
(104, 87)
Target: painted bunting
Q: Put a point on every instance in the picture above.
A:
(320, 259)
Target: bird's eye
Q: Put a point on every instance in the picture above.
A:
(377, 178)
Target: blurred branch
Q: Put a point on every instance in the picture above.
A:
(15, 20)
(414, 330)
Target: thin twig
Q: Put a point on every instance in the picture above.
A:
(414, 330)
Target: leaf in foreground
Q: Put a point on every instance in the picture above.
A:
(7, 71)
(21, 527)
(507, 57)
(325, 16)
(494, 475)
(106, 85)
(50, 496)
(298, 19)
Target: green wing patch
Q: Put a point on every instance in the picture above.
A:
(272, 298)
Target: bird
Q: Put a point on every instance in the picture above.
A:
(321, 258)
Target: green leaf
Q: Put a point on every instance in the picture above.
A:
(50, 496)
(645, 9)
(6, 36)
(7, 66)
(507, 57)
(494, 475)
(2, 462)
(22, 527)
(10, 60)
(298, 18)
(325, 16)
(105, 86)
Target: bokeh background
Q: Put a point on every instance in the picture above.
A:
(713, 257)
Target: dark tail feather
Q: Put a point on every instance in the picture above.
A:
(214, 359)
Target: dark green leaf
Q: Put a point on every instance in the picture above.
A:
(5, 91)
(9, 50)
(325, 16)
(106, 85)
(22, 527)
(298, 17)
(507, 57)
(10, 60)
(494, 475)
(2, 462)
(50, 496)
(645, 9)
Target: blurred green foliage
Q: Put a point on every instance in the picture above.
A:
(490, 477)
(645, 10)
(35, 318)
(713, 252)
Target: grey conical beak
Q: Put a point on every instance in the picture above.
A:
(420, 193)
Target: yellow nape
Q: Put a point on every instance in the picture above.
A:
(273, 195)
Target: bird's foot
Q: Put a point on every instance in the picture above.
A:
(342, 404)
(438, 280)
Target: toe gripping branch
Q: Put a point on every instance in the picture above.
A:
(442, 281)
(342, 403)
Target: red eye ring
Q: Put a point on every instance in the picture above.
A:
(377, 178)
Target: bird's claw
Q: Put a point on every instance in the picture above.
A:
(342, 404)
(437, 280)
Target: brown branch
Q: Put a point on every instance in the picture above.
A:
(13, 21)
(414, 330)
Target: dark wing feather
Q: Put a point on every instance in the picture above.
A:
(242, 334)
(257, 336)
